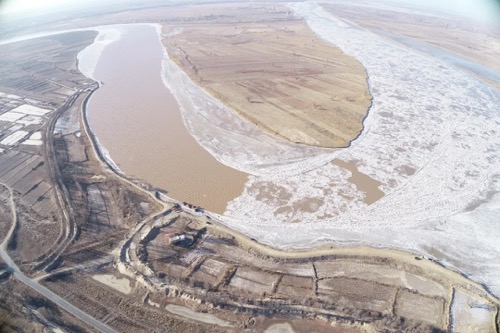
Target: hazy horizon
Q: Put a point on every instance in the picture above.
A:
(475, 9)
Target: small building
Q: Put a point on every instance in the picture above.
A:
(177, 239)
(184, 240)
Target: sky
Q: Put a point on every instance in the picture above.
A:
(489, 9)
(26, 5)
(476, 9)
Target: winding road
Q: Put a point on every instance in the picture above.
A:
(69, 226)
(14, 269)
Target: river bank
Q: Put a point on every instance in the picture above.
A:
(140, 126)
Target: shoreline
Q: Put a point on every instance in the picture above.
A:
(91, 136)
(423, 212)
(173, 160)
(200, 110)
(101, 152)
(400, 255)
(329, 248)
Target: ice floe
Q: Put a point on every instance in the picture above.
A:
(428, 117)
(88, 57)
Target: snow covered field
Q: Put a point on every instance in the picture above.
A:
(34, 140)
(471, 315)
(21, 117)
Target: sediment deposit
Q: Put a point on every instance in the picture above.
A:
(276, 74)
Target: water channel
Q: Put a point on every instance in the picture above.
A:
(136, 118)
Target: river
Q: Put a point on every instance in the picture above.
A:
(136, 118)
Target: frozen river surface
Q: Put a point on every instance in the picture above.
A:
(431, 139)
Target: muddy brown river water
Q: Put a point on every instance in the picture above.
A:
(136, 118)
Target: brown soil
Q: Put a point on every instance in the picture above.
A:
(281, 77)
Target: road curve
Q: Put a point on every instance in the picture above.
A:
(68, 230)
(12, 267)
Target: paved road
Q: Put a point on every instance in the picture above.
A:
(41, 289)
(60, 190)
(54, 297)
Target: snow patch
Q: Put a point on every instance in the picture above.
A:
(14, 138)
(11, 116)
(34, 140)
(426, 115)
(88, 57)
(122, 285)
(471, 315)
(31, 110)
